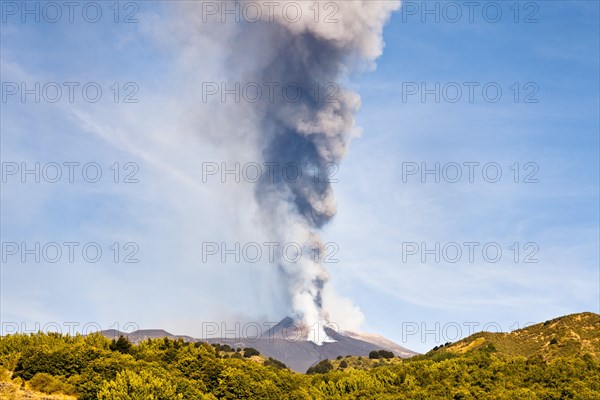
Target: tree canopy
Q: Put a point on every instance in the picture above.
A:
(93, 367)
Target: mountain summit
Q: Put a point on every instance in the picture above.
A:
(287, 342)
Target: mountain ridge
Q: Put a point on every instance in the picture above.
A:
(566, 336)
(282, 343)
(569, 335)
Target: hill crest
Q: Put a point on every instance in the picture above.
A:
(567, 336)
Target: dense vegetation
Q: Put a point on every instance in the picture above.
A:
(534, 367)
(569, 336)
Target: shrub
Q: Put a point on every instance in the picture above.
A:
(322, 367)
(385, 354)
(381, 354)
(490, 348)
(271, 362)
(46, 383)
(249, 352)
(227, 348)
(142, 386)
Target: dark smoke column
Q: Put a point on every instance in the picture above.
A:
(304, 129)
(307, 129)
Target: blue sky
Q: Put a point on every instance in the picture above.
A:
(169, 211)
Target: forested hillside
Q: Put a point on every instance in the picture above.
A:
(558, 359)
(570, 336)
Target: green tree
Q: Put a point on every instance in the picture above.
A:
(138, 386)
(122, 345)
(47, 383)
(249, 352)
(271, 362)
(385, 354)
(322, 367)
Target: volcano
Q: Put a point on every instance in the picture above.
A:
(286, 343)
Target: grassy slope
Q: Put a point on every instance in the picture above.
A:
(574, 335)
(569, 336)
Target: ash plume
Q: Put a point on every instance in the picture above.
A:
(303, 136)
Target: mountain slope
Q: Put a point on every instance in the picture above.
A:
(279, 342)
(568, 336)
(299, 355)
